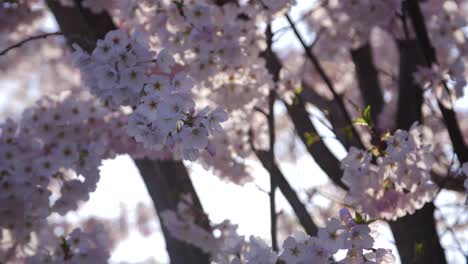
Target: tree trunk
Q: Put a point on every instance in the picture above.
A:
(415, 235)
(368, 81)
(165, 180)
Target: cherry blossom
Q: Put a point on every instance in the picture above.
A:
(399, 182)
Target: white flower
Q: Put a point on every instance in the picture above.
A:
(165, 61)
(149, 106)
(195, 137)
(125, 59)
(176, 105)
(133, 77)
(399, 145)
(359, 238)
(332, 236)
(319, 254)
(158, 85)
(181, 82)
(259, 252)
(294, 248)
(384, 256)
(199, 15)
(103, 51)
(107, 77)
(167, 123)
(356, 159)
(216, 117)
(117, 39)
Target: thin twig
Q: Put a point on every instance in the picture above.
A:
(327, 80)
(26, 40)
(260, 110)
(271, 152)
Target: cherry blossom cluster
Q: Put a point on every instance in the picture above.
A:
(352, 21)
(77, 247)
(223, 59)
(221, 47)
(345, 233)
(122, 72)
(434, 78)
(446, 21)
(398, 181)
(228, 247)
(228, 163)
(50, 158)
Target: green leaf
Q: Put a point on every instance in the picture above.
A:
(348, 132)
(311, 138)
(418, 248)
(361, 121)
(298, 90)
(367, 114)
(359, 219)
(365, 119)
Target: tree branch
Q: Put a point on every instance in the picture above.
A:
(416, 230)
(368, 81)
(327, 81)
(165, 180)
(449, 115)
(319, 151)
(272, 137)
(26, 40)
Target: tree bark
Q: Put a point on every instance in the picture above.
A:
(368, 81)
(410, 94)
(165, 180)
(416, 238)
(415, 235)
(429, 53)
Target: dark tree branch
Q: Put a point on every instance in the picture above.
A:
(273, 176)
(449, 182)
(319, 151)
(332, 111)
(418, 229)
(26, 40)
(272, 136)
(300, 117)
(410, 94)
(166, 181)
(73, 21)
(327, 81)
(449, 115)
(368, 81)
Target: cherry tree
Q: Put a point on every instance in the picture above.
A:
(207, 82)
